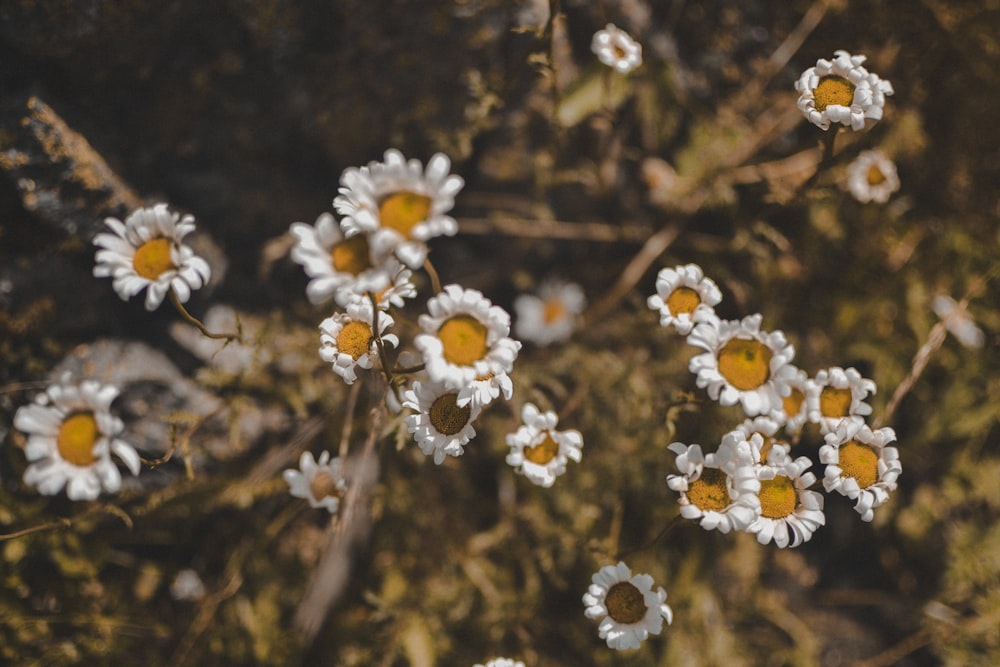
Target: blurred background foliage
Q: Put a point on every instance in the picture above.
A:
(245, 112)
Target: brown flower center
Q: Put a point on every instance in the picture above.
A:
(447, 417)
(464, 340)
(625, 603)
(834, 402)
(710, 492)
(403, 211)
(834, 90)
(324, 485)
(544, 451)
(152, 258)
(77, 436)
(683, 300)
(351, 255)
(745, 364)
(859, 461)
(778, 497)
(355, 339)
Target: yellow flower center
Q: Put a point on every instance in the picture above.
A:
(625, 603)
(875, 176)
(710, 492)
(152, 258)
(464, 340)
(683, 300)
(447, 417)
(859, 461)
(324, 485)
(778, 497)
(403, 211)
(834, 90)
(351, 255)
(544, 451)
(355, 339)
(77, 436)
(834, 402)
(745, 364)
(793, 402)
(554, 311)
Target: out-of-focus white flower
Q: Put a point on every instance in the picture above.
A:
(399, 204)
(465, 339)
(146, 252)
(742, 364)
(683, 297)
(347, 341)
(629, 609)
(958, 321)
(718, 489)
(538, 450)
(860, 465)
(615, 48)
(551, 316)
(842, 91)
(338, 266)
(71, 437)
(872, 177)
(836, 393)
(187, 585)
(440, 425)
(321, 482)
(501, 662)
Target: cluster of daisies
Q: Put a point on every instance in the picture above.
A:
(752, 482)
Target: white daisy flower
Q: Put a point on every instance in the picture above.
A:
(615, 48)
(347, 341)
(321, 482)
(465, 339)
(766, 430)
(399, 204)
(400, 289)
(538, 450)
(338, 266)
(501, 662)
(145, 252)
(789, 512)
(742, 364)
(842, 91)
(629, 609)
(836, 393)
(718, 489)
(551, 316)
(71, 437)
(872, 177)
(794, 412)
(860, 466)
(683, 297)
(440, 425)
(958, 321)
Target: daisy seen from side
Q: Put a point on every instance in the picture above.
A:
(742, 364)
(146, 252)
(347, 341)
(872, 177)
(465, 339)
(683, 297)
(552, 315)
(836, 393)
(440, 426)
(789, 512)
(399, 204)
(71, 438)
(841, 91)
(538, 451)
(628, 606)
(861, 465)
(320, 481)
(794, 409)
(615, 48)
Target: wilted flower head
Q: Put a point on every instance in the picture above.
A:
(615, 48)
(145, 252)
(71, 437)
(842, 91)
(872, 177)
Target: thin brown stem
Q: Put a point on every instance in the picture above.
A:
(51, 525)
(663, 533)
(198, 324)
(433, 275)
(345, 433)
